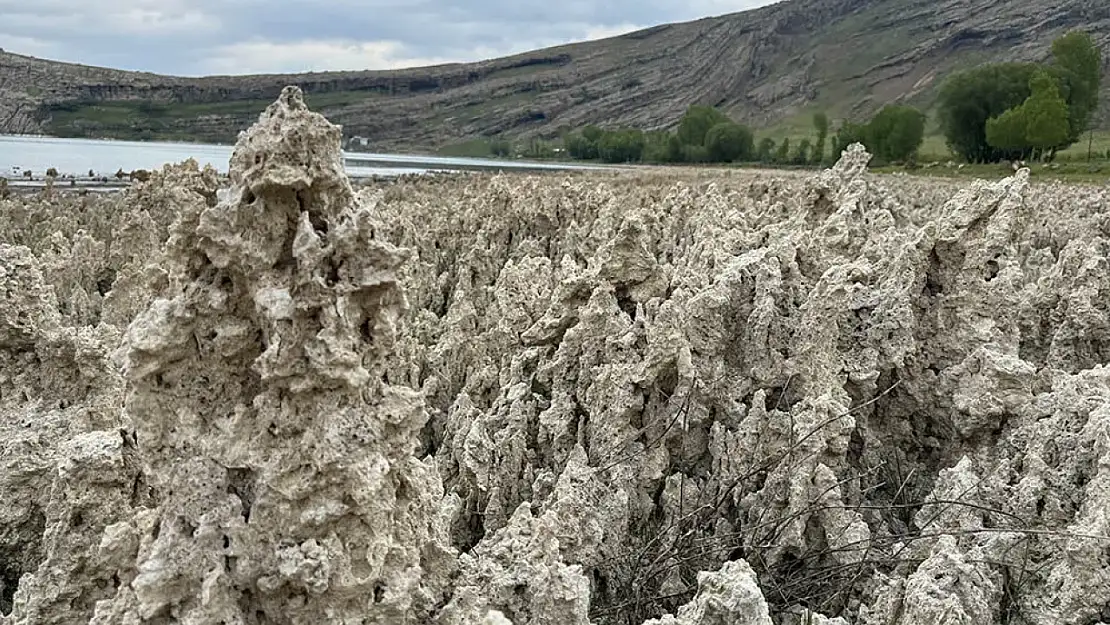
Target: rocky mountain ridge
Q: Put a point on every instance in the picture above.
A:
(764, 67)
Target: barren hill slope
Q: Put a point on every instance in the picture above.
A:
(762, 66)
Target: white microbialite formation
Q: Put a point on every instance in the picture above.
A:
(661, 397)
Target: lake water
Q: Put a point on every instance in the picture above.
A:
(105, 157)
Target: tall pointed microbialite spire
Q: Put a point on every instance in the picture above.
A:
(290, 490)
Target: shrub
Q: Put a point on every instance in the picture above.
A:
(500, 147)
(821, 125)
(896, 133)
(801, 153)
(621, 146)
(727, 142)
(697, 122)
(765, 153)
(782, 155)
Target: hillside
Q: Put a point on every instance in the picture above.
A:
(764, 67)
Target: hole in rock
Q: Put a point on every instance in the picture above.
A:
(856, 447)
(823, 208)
(9, 582)
(333, 274)
(469, 527)
(992, 270)
(626, 303)
(248, 197)
(20, 552)
(781, 397)
(933, 286)
(105, 280)
(379, 592)
(240, 482)
(600, 584)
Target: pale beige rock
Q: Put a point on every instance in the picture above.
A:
(290, 489)
(554, 399)
(68, 471)
(730, 595)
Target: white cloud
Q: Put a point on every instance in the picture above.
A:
(604, 32)
(195, 37)
(137, 20)
(266, 57)
(30, 46)
(106, 18)
(272, 57)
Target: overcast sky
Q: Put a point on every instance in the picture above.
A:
(197, 37)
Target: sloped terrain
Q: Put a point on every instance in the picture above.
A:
(666, 397)
(848, 57)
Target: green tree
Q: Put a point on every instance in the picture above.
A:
(675, 151)
(969, 98)
(727, 142)
(695, 154)
(657, 147)
(1046, 115)
(782, 155)
(538, 148)
(1007, 132)
(765, 153)
(848, 134)
(580, 147)
(1078, 62)
(821, 125)
(696, 123)
(801, 153)
(662, 147)
(895, 133)
(1039, 124)
(621, 146)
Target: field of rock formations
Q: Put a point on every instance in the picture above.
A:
(662, 397)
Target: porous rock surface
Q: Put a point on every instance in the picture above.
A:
(289, 486)
(670, 398)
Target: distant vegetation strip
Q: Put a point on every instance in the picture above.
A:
(988, 114)
(992, 113)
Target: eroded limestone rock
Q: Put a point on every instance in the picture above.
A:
(684, 397)
(289, 488)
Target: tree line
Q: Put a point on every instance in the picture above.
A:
(987, 114)
(707, 135)
(1015, 111)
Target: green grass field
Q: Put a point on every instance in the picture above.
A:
(475, 148)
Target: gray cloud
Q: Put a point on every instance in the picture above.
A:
(194, 37)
